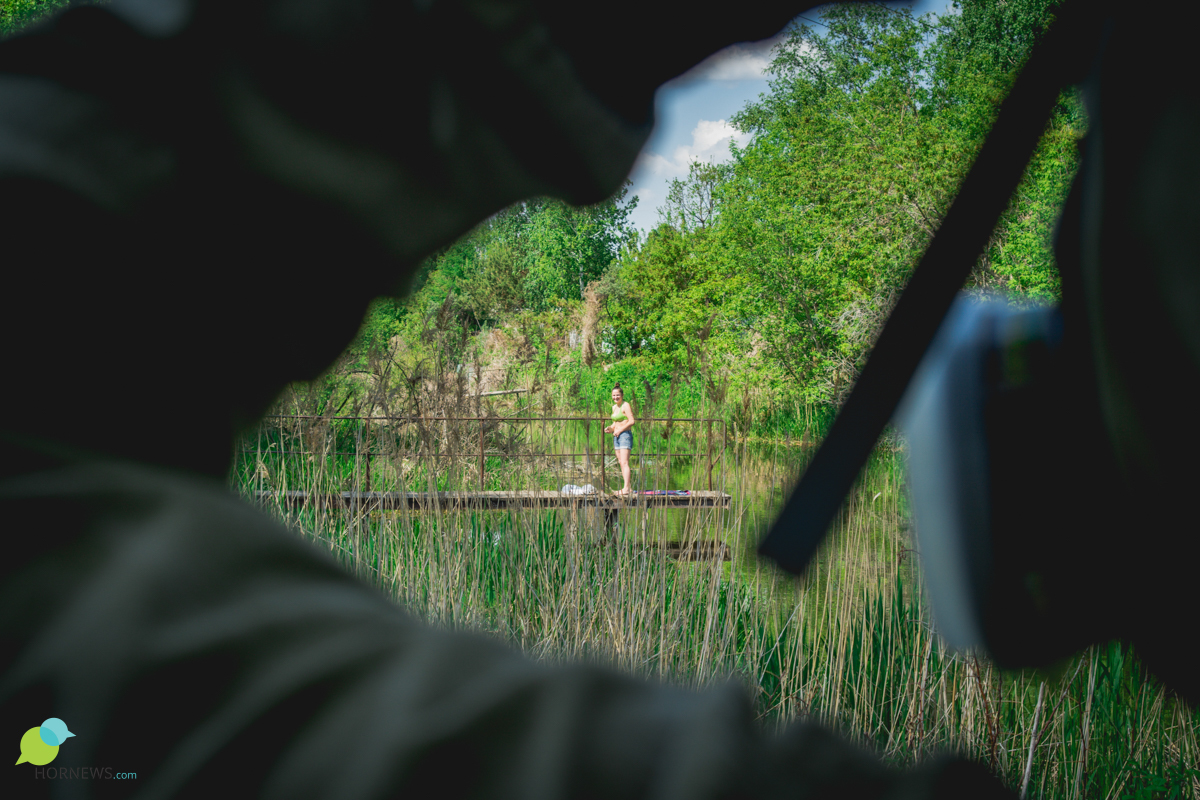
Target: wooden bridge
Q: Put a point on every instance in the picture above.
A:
(378, 443)
(710, 452)
(493, 501)
(610, 505)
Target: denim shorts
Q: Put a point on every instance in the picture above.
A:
(623, 441)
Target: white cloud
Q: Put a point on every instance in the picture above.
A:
(652, 172)
(736, 69)
(708, 134)
(710, 142)
(653, 164)
(737, 62)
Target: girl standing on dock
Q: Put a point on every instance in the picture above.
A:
(622, 416)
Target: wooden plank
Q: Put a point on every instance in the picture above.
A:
(419, 501)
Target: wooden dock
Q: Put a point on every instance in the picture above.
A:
(491, 501)
(603, 520)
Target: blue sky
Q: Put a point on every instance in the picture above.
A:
(693, 112)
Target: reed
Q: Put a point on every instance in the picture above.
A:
(849, 644)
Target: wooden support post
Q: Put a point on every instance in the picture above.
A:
(481, 462)
(610, 522)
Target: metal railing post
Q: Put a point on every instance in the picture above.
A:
(710, 455)
(600, 451)
(368, 440)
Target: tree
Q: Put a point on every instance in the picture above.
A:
(16, 14)
(994, 36)
(843, 183)
(979, 53)
(691, 203)
(857, 151)
(568, 247)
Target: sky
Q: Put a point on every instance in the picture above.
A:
(692, 116)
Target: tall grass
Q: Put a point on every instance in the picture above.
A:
(848, 644)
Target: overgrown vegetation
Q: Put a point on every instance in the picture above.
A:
(765, 282)
(850, 644)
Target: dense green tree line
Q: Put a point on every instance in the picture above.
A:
(776, 269)
(814, 227)
(528, 257)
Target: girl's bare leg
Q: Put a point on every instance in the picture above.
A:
(623, 457)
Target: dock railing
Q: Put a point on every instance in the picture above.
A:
(461, 453)
(367, 465)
